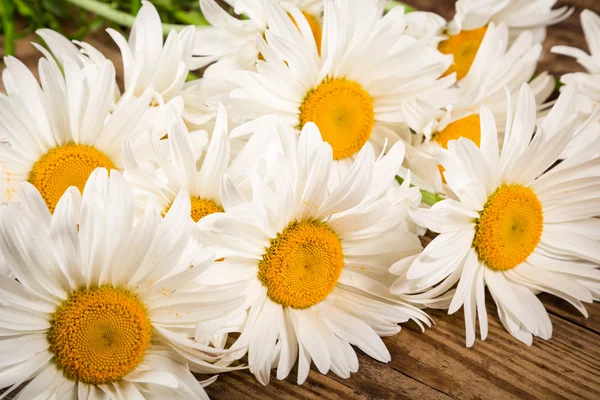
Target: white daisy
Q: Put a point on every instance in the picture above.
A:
(470, 24)
(148, 63)
(587, 83)
(517, 227)
(181, 164)
(519, 15)
(316, 261)
(496, 67)
(100, 308)
(231, 41)
(369, 75)
(60, 132)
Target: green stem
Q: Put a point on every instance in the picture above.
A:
(135, 6)
(119, 17)
(8, 23)
(392, 3)
(191, 17)
(427, 197)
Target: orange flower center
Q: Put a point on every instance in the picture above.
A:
(302, 265)
(99, 335)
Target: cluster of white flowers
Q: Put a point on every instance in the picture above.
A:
(268, 214)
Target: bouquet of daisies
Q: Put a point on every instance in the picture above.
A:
(268, 214)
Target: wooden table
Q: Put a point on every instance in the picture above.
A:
(435, 364)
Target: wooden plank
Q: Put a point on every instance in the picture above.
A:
(567, 366)
(564, 310)
(380, 381)
(242, 384)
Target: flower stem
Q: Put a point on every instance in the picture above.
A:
(427, 197)
(8, 24)
(119, 17)
(135, 6)
(392, 3)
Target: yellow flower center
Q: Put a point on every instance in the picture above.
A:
(302, 265)
(463, 47)
(344, 113)
(200, 208)
(99, 335)
(509, 228)
(468, 127)
(65, 166)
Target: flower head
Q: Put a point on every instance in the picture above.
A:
(182, 164)
(517, 226)
(60, 131)
(231, 41)
(101, 307)
(316, 261)
(368, 76)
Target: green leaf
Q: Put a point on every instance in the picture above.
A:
(428, 197)
(55, 7)
(191, 77)
(25, 9)
(393, 4)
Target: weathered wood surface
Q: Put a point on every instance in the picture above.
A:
(435, 364)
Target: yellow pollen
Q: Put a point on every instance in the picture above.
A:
(99, 335)
(302, 265)
(468, 127)
(200, 208)
(463, 47)
(64, 166)
(509, 228)
(344, 113)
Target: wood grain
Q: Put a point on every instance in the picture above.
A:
(435, 364)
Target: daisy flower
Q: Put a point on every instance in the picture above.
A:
(519, 15)
(315, 260)
(518, 227)
(587, 83)
(181, 164)
(231, 41)
(470, 24)
(100, 308)
(59, 132)
(148, 63)
(368, 76)
(497, 67)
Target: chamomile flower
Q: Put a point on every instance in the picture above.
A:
(497, 67)
(518, 15)
(181, 164)
(148, 62)
(315, 260)
(369, 75)
(587, 83)
(59, 132)
(470, 24)
(231, 41)
(517, 227)
(100, 308)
